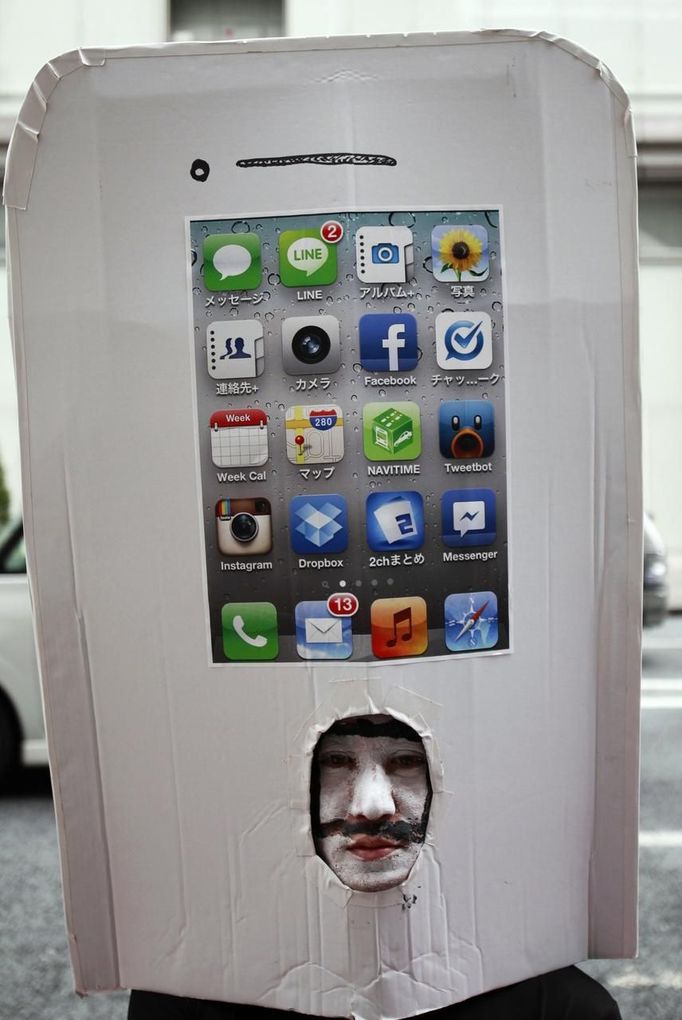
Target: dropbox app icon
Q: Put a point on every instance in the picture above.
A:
(318, 524)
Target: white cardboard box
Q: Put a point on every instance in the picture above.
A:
(181, 785)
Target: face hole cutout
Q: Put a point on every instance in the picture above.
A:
(370, 795)
(199, 170)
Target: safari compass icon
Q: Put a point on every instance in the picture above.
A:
(464, 340)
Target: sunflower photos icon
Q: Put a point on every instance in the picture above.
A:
(460, 252)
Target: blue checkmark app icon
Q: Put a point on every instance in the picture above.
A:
(464, 341)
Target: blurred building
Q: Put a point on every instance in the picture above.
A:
(641, 43)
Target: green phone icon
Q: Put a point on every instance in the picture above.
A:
(305, 260)
(232, 262)
(250, 631)
(391, 431)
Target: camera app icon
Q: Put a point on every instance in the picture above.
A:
(384, 254)
(244, 526)
(466, 429)
(311, 345)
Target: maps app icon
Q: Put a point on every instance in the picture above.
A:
(314, 434)
(464, 340)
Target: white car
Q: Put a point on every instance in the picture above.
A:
(22, 730)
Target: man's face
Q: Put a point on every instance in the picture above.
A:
(374, 795)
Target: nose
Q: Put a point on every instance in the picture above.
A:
(372, 795)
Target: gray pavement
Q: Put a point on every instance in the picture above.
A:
(35, 976)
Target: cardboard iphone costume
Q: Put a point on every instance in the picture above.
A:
(327, 367)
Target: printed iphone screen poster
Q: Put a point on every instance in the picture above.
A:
(350, 373)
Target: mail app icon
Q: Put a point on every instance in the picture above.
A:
(319, 630)
(319, 635)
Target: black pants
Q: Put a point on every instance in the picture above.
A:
(566, 994)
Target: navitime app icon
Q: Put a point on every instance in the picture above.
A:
(466, 429)
(232, 262)
(391, 431)
(395, 521)
(388, 343)
(468, 517)
(249, 631)
(305, 260)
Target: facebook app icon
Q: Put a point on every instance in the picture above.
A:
(395, 521)
(388, 343)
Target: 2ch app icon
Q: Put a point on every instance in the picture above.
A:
(395, 521)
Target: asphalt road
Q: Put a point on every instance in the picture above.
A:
(35, 976)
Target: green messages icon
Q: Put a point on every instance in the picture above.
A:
(250, 631)
(305, 260)
(232, 262)
(391, 431)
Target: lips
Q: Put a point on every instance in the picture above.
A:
(373, 848)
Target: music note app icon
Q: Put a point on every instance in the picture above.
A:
(399, 627)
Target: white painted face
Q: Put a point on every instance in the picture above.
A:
(373, 801)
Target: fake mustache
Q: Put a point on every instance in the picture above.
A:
(399, 832)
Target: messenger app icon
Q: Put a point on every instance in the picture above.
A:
(464, 340)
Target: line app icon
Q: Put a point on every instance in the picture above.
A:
(305, 258)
